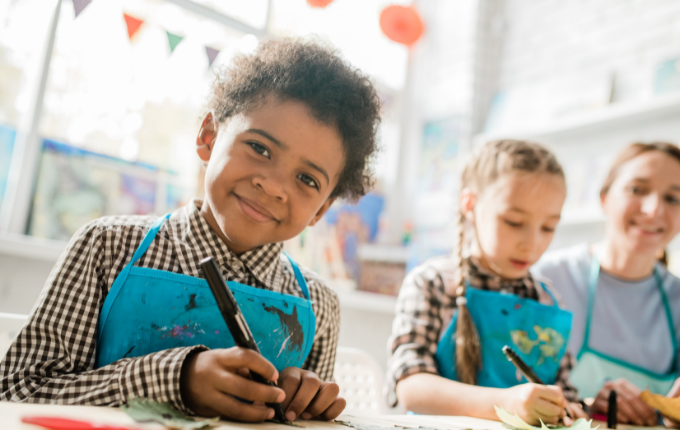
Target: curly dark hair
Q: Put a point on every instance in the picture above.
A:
(336, 93)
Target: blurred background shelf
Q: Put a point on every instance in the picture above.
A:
(597, 120)
(362, 300)
(17, 245)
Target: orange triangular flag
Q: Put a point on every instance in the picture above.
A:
(133, 24)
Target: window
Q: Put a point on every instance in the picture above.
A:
(20, 46)
(121, 113)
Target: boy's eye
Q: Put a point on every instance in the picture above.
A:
(260, 149)
(548, 229)
(309, 181)
(672, 199)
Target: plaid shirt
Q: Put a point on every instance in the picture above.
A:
(53, 358)
(426, 304)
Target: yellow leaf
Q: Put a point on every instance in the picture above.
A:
(668, 407)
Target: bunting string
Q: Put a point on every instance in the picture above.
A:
(133, 24)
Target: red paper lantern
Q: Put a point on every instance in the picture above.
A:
(401, 24)
(319, 3)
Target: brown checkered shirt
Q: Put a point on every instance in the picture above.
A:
(53, 358)
(425, 307)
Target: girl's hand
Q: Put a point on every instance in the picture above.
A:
(576, 412)
(533, 402)
(211, 380)
(630, 407)
(308, 397)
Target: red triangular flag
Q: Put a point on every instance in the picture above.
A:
(212, 54)
(79, 5)
(133, 24)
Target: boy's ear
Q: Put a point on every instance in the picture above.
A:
(322, 210)
(205, 141)
(468, 201)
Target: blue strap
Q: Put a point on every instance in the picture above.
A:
(592, 287)
(669, 316)
(552, 296)
(298, 275)
(150, 236)
(122, 277)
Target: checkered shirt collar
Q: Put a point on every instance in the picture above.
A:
(196, 240)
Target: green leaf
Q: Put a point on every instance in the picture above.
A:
(145, 410)
(516, 423)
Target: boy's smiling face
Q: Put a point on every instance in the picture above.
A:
(270, 172)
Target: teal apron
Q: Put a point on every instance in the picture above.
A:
(537, 332)
(149, 310)
(594, 368)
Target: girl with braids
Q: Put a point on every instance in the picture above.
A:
(455, 313)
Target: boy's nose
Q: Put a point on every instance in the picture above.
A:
(272, 186)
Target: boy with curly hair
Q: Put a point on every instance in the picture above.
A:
(125, 312)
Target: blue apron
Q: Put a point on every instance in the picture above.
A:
(149, 310)
(594, 368)
(537, 332)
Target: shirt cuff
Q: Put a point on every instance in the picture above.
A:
(157, 376)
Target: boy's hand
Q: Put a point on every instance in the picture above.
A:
(532, 402)
(308, 397)
(211, 379)
(630, 407)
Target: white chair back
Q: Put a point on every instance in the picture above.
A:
(360, 378)
(10, 325)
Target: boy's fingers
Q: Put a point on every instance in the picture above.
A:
(227, 406)
(290, 384)
(334, 410)
(324, 398)
(308, 389)
(241, 357)
(248, 389)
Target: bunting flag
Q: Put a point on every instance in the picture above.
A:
(212, 54)
(79, 5)
(133, 24)
(173, 40)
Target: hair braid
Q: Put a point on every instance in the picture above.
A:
(468, 352)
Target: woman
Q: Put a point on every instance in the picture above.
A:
(626, 304)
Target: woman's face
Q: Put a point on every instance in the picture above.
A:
(643, 203)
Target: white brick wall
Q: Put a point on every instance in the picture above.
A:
(552, 39)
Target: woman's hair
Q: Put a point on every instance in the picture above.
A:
(336, 94)
(487, 164)
(632, 151)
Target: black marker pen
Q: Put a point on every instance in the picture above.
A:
(235, 322)
(524, 369)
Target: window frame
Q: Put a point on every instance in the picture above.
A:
(16, 203)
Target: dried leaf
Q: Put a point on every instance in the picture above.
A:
(145, 410)
(667, 406)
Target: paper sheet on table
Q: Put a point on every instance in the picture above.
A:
(668, 407)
